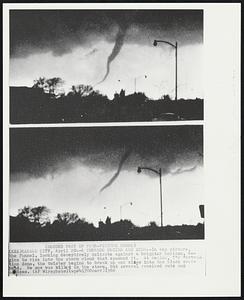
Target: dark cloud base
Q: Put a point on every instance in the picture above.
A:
(38, 152)
(60, 31)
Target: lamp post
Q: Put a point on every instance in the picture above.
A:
(175, 46)
(121, 206)
(135, 79)
(159, 173)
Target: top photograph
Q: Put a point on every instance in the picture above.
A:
(91, 66)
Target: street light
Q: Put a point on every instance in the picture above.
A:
(159, 173)
(175, 46)
(121, 206)
(138, 77)
(135, 80)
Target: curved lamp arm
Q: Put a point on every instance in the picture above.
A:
(161, 41)
(150, 169)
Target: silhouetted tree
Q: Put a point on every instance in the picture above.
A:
(39, 83)
(152, 224)
(53, 84)
(122, 93)
(24, 212)
(108, 221)
(82, 90)
(67, 218)
(49, 85)
(37, 215)
(100, 224)
(166, 97)
(116, 96)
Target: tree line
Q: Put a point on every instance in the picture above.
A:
(46, 102)
(32, 224)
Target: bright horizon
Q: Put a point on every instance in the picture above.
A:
(87, 66)
(77, 191)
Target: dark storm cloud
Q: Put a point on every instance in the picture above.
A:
(38, 152)
(60, 31)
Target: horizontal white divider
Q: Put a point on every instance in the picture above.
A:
(110, 124)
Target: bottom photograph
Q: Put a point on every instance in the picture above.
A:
(106, 183)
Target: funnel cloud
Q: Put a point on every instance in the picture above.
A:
(116, 49)
(122, 161)
(84, 169)
(98, 47)
(41, 152)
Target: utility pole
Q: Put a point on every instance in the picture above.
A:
(176, 87)
(121, 206)
(135, 80)
(161, 200)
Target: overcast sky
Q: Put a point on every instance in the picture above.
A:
(65, 168)
(75, 45)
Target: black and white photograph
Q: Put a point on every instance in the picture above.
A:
(88, 66)
(106, 183)
(121, 149)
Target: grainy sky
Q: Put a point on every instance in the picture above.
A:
(75, 45)
(65, 168)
